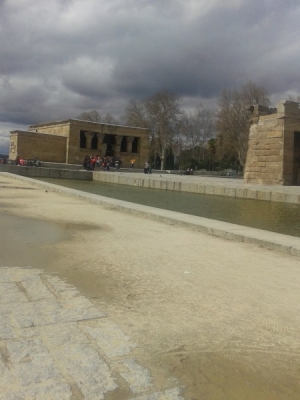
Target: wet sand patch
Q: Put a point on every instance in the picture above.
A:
(219, 329)
(28, 241)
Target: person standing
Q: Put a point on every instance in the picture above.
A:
(146, 167)
(86, 162)
(132, 162)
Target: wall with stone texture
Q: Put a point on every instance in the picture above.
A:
(32, 144)
(291, 156)
(56, 128)
(75, 155)
(270, 156)
(265, 152)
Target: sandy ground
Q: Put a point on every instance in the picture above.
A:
(222, 317)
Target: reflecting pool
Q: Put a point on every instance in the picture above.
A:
(271, 216)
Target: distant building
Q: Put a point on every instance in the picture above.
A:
(69, 141)
(273, 155)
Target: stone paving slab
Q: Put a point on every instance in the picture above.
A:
(32, 361)
(54, 344)
(138, 378)
(9, 293)
(109, 337)
(54, 391)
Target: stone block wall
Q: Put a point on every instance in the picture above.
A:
(54, 138)
(265, 152)
(32, 144)
(57, 128)
(76, 155)
(271, 147)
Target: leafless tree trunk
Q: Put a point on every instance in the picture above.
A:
(95, 116)
(196, 128)
(160, 114)
(233, 119)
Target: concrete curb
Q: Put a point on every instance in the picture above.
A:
(229, 187)
(41, 172)
(197, 184)
(270, 240)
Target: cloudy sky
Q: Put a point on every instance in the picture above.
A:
(61, 57)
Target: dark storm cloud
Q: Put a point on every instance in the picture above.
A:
(60, 58)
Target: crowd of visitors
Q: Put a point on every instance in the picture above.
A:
(91, 162)
(35, 162)
(189, 171)
(108, 162)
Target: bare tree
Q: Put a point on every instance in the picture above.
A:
(95, 116)
(253, 94)
(135, 114)
(163, 109)
(109, 119)
(196, 128)
(233, 118)
(160, 114)
(212, 148)
(294, 98)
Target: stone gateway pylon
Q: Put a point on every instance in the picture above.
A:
(273, 156)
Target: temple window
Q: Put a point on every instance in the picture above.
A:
(82, 140)
(94, 143)
(135, 145)
(123, 144)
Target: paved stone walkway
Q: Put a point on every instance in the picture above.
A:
(54, 344)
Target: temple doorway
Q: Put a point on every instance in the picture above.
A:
(296, 159)
(109, 150)
(110, 142)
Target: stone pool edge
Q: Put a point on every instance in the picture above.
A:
(270, 240)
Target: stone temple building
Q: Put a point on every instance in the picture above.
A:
(69, 141)
(273, 155)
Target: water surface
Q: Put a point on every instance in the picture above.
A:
(271, 216)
